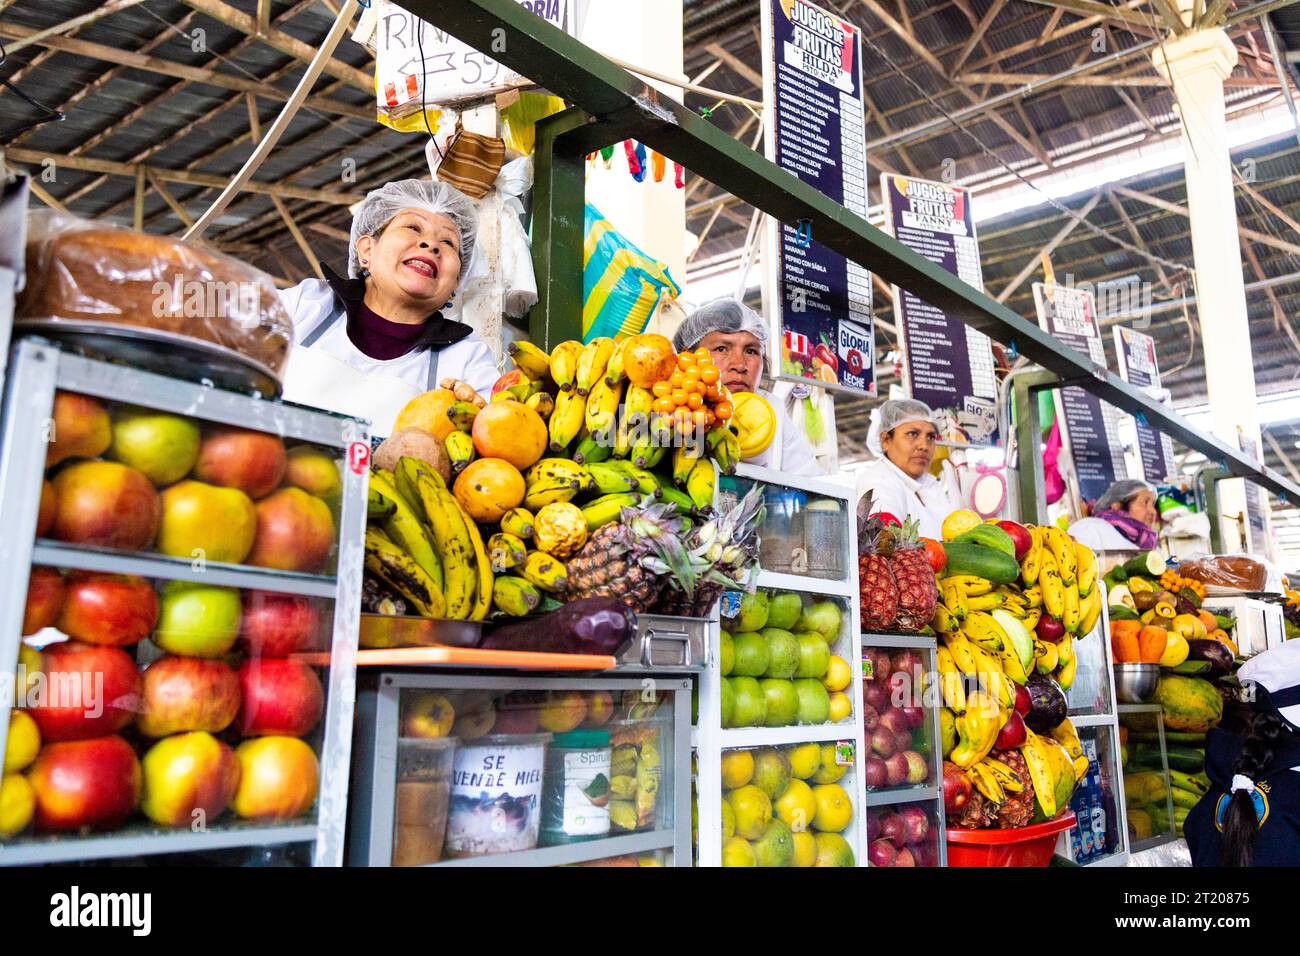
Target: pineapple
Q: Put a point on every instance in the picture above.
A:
(1018, 808)
(879, 596)
(632, 558)
(724, 555)
(917, 591)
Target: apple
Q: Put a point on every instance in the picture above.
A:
(84, 691)
(918, 769)
(197, 620)
(882, 742)
(903, 740)
(956, 787)
(910, 663)
(280, 696)
(105, 504)
(892, 829)
(926, 854)
(204, 521)
(1050, 629)
(162, 447)
(916, 823)
(873, 828)
(905, 858)
(278, 778)
(600, 708)
(426, 714)
(253, 462)
(476, 715)
(49, 509)
(1024, 704)
(915, 716)
(875, 695)
(277, 625)
(45, 595)
(1012, 734)
(82, 784)
(901, 688)
(881, 853)
(875, 774)
(894, 721)
(189, 780)
(876, 664)
(314, 471)
(295, 532)
(896, 769)
(181, 694)
(79, 428)
(870, 718)
(563, 711)
(518, 712)
(112, 609)
(1020, 536)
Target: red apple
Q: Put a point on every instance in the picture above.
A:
(881, 665)
(926, 854)
(518, 713)
(111, 609)
(48, 510)
(79, 427)
(915, 716)
(905, 858)
(882, 853)
(882, 742)
(1012, 734)
(875, 695)
(181, 694)
(84, 691)
(873, 828)
(1050, 629)
(280, 696)
(277, 625)
(903, 740)
(1019, 536)
(909, 663)
(189, 780)
(956, 787)
(892, 829)
(600, 708)
(916, 823)
(896, 768)
(85, 784)
(870, 718)
(875, 773)
(295, 532)
(105, 504)
(918, 770)
(1023, 702)
(278, 778)
(45, 594)
(253, 462)
(894, 721)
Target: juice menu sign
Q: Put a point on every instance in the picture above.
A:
(1069, 315)
(949, 365)
(819, 302)
(1138, 366)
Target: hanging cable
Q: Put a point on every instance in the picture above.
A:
(47, 113)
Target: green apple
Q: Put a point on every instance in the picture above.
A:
(197, 620)
(163, 447)
(753, 613)
(813, 702)
(782, 652)
(823, 617)
(750, 708)
(784, 609)
(782, 701)
(726, 654)
(750, 652)
(814, 655)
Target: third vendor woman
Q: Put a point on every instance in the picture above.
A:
(903, 436)
(370, 343)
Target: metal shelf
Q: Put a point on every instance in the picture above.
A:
(781, 736)
(804, 584)
(572, 853)
(1092, 720)
(918, 641)
(1139, 709)
(146, 840)
(55, 554)
(1150, 843)
(885, 798)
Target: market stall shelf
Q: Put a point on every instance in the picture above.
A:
(191, 620)
(1147, 798)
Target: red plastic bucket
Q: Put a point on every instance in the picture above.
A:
(1022, 846)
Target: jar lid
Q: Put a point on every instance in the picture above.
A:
(581, 739)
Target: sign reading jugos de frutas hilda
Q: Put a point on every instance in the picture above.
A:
(1138, 366)
(818, 302)
(949, 365)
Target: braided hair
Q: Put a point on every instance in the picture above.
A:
(1241, 824)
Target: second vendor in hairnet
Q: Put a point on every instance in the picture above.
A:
(736, 337)
(903, 437)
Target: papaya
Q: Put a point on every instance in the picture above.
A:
(1190, 704)
(1152, 641)
(981, 561)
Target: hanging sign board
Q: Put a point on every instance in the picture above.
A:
(1138, 366)
(1069, 315)
(949, 365)
(818, 302)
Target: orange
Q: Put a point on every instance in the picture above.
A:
(737, 768)
(834, 809)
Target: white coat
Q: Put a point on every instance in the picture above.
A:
(895, 491)
(327, 371)
(795, 456)
(1101, 536)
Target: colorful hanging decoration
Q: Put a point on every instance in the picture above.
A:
(633, 165)
(607, 154)
(657, 162)
(678, 174)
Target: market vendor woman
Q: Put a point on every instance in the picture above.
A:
(903, 437)
(1123, 519)
(369, 343)
(736, 337)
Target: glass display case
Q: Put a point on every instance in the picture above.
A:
(778, 734)
(1144, 759)
(180, 622)
(464, 770)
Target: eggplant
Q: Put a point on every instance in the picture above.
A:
(1215, 652)
(1047, 705)
(1184, 606)
(595, 625)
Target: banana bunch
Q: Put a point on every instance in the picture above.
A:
(1059, 576)
(424, 546)
(984, 667)
(994, 779)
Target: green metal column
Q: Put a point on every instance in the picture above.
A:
(559, 189)
(1029, 436)
(1210, 478)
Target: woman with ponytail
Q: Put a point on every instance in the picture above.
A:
(1251, 814)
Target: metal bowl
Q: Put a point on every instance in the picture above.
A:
(1136, 683)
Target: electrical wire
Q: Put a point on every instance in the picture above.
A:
(48, 113)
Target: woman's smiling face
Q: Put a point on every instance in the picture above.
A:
(415, 257)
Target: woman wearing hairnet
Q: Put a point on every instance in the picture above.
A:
(370, 343)
(902, 437)
(736, 336)
(1123, 519)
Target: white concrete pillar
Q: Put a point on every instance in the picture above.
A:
(1196, 66)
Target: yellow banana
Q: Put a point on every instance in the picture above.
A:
(684, 459)
(1011, 665)
(1033, 597)
(592, 448)
(994, 679)
(640, 403)
(483, 586)
(545, 493)
(460, 449)
(985, 602)
(447, 522)
(566, 421)
(529, 359)
(545, 572)
(515, 596)
(551, 470)
(591, 364)
(614, 368)
(543, 404)
(984, 631)
(396, 568)
(702, 483)
(1031, 618)
(723, 445)
(607, 508)
(962, 651)
(518, 522)
(1072, 616)
(1062, 547)
(1049, 579)
(506, 552)
(610, 480)
(646, 482)
(1068, 662)
(955, 598)
(1086, 570)
(1030, 567)
(462, 415)
(943, 621)
(971, 585)
(405, 527)
(622, 440)
(564, 364)
(602, 405)
(984, 780)
(1046, 657)
(1089, 612)
(1006, 777)
(952, 686)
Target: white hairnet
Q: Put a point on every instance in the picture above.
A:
(721, 315)
(1121, 493)
(381, 205)
(897, 411)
